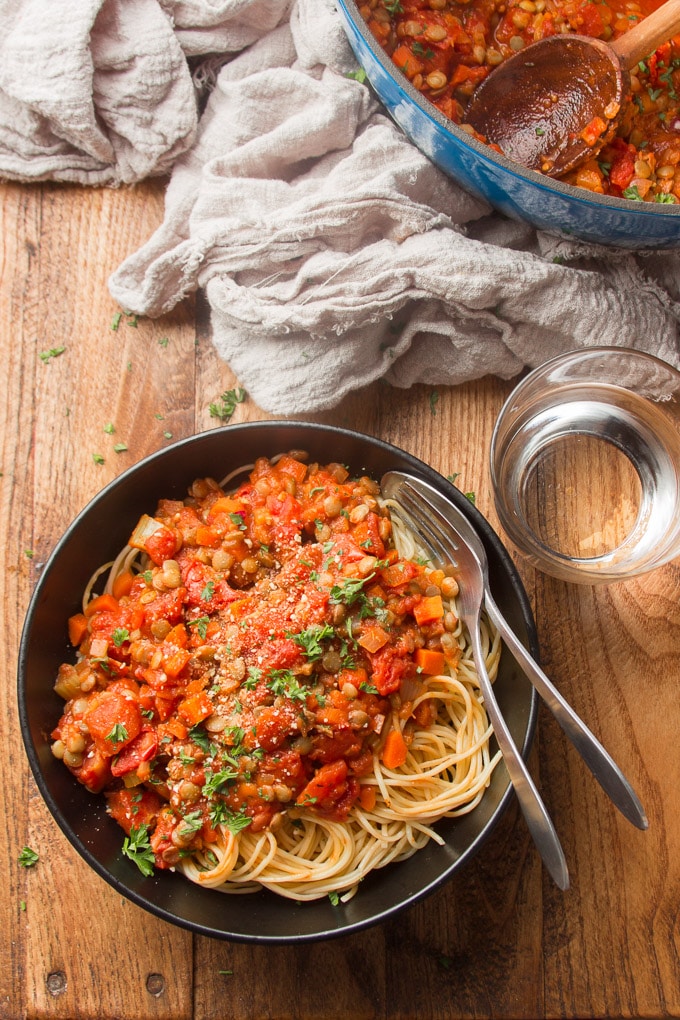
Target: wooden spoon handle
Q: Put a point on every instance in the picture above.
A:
(642, 40)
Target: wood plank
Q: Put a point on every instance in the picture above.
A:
(59, 408)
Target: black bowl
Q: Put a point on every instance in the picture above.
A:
(95, 536)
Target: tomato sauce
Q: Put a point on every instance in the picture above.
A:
(251, 666)
(447, 47)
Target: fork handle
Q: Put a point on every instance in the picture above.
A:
(598, 760)
(535, 814)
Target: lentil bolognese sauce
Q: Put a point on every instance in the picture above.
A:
(446, 47)
(273, 688)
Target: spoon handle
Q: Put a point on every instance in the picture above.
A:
(535, 814)
(600, 763)
(656, 28)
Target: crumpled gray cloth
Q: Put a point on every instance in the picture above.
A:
(331, 251)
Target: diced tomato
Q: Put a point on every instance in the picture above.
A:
(111, 713)
(135, 806)
(328, 780)
(398, 574)
(142, 748)
(162, 545)
(160, 837)
(166, 606)
(95, 771)
(622, 170)
(388, 669)
(275, 725)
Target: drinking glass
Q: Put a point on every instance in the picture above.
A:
(585, 465)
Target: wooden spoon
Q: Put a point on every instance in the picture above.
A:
(555, 104)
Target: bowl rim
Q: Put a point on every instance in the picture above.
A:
(488, 535)
(489, 155)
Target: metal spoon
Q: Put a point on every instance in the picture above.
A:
(445, 516)
(555, 104)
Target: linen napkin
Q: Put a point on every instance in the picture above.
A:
(331, 251)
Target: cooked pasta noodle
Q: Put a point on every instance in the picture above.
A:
(274, 689)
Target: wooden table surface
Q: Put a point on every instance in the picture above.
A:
(500, 940)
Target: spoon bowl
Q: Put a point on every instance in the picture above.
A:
(555, 104)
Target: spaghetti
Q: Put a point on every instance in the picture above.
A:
(273, 689)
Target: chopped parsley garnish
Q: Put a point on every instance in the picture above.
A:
(333, 897)
(120, 636)
(191, 823)
(350, 591)
(137, 848)
(208, 592)
(254, 675)
(632, 193)
(201, 625)
(28, 857)
(234, 821)
(237, 519)
(283, 683)
(310, 640)
(216, 781)
(118, 734)
(198, 736)
(368, 688)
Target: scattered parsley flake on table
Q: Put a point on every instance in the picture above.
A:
(226, 405)
(28, 857)
(109, 428)
(119, 448)
(97, 458)
(53, 352)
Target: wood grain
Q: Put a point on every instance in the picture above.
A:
(499, 940)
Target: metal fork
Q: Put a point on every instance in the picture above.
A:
(471, 597)
(451, 535)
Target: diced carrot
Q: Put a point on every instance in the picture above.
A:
(373, 637)
(164, 706)
(77, 628)
(431, 608)
(394, 750)
(175, 661)
(174, 728)
(225, 505)
(367, 797)
(177, 636)
(329, 716)
(352, 676)
(430, 661)
(122, 584)
(206, 536)
(406, 62)
(195, 708)
(289, 466)
(101, 604)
